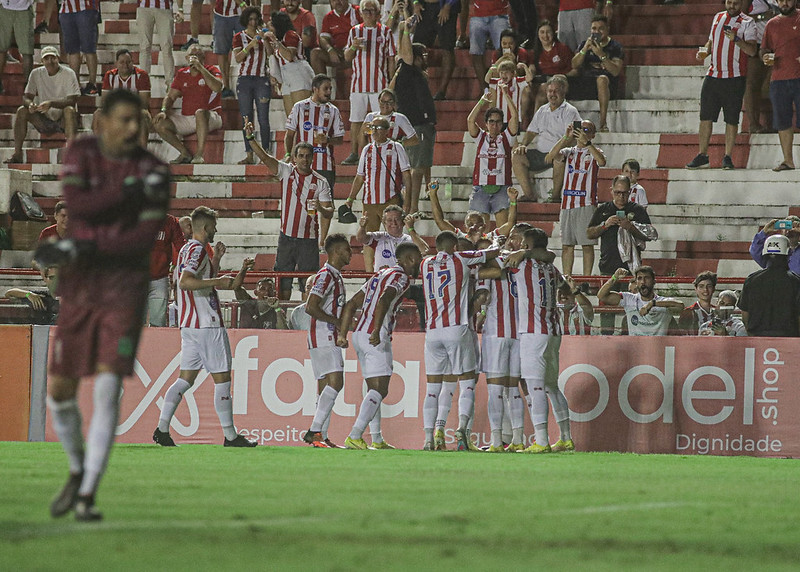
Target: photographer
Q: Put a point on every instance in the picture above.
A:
(723, 322)
(262, 312)
(790, 227)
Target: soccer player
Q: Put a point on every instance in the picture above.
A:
(324, 304)
(449, 346)
(204, 340)
(118, 195)
(379, 299)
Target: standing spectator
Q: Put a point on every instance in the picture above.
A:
(620, 236)
(304, 194)
(195, 15)
(157, 15)
(549, 124)
(127, 76)
(58, 230)
(575, 19)
(414, 100)
(575, 309)
(302, 20)
(371, 49)
(199, 86)
(262, 312)
(781, 50)
(770, 301)
(336, 27)
(291, 69)
(383, 171)
(168, 244)
(16, 21)
(491, 175)
(253, 88)
(631, 169)
(487, 20)
(437, 19)
(400, 128)
(526, 19)
(79, 19)
(550, 58)
(778, 226)
(702, 310)
(579, 192)
(732, 39)
(48, 102)
(599, 63)
(226, 26)
(44, 26)
(757, 73)
(317, 121)
(648, 313)
(384, 243)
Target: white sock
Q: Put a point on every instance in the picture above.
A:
(517, 414)
(538, 410)
(445, 403)
(101, 430)
(66, 419)
(495, 407)
(223, 404)
(529, 403)
(324, 407)
(172, 398)
(506, 430)
(466, 402)
(428, 434)
(325, 425)
(375, 427)
(540, 434)
(560, 411)
(430, 406)
(372, 400)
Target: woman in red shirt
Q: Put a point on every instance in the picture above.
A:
(292, 70)
(550, 57)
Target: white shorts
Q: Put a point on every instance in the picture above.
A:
(539, 356)
(187, 124)
(326, 359)
(376, 361)
(206, 348)
(476, 342)
(361, 104)
(296, 76)
(500, 357)
(449, 351)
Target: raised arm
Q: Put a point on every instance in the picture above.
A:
(605, 295)
(270, 161)
(436, 207)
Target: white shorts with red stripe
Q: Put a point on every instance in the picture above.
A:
(205, 348)
(326, 359)
(449, 351)
(500, 356)
(376, 361)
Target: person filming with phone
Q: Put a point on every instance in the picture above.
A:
(790, 227)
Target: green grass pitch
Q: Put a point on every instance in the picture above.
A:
(202, 507)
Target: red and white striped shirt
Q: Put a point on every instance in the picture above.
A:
(329, 286)
(515, 88)
(296, 189)
(574, 322)
(446, 286)
(370, 63)
(727, 60)
(536, 285)
(493, 159)
(137, 81)
(392, 277)
(308, 118)
(159, 4)
(72, 6)
(399, 125)
(197, 308)
(255, 64)
(501, 309)
(580, 178)
(227, 8)
(382, 167)
(291, 39)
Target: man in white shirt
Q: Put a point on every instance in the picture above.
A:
(383, 244)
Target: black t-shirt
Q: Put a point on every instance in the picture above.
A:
(591, 63)
(610, 259)
(771, 297)
(257, 316)
(414, 99)
(46, 317)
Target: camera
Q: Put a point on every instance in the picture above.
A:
(726, 28)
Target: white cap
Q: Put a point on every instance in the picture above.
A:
(49, 51)
(776, 244)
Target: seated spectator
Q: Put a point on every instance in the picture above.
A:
(299, 319)
(702, 310)
(723, 322)
(487, 20)
(383, 243)
(574, 309)
(43, 301)
(157, 15)
(509, 49)
(548, 126)
(631, 169)
(436, 19)
(648, 314)
(302, 20)
(550, 58)
(790, 227)
(292, 71)
(16, 21)
(48, 102)
(127, 76)
(598, 63)
(515, 78)
(58, 230)
(400, 128)
(79, 22)
(336, 27)
(263, 312)
(199, 86)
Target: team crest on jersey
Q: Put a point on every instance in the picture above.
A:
(312, 187)
(341, 300)
(556, 59)
(307, 126)
(387, 253)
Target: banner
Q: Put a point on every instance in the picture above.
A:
(687, 395)
(15, 382)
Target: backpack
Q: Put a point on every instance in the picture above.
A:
(25, 207)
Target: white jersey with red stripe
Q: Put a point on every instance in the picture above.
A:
(536, 284)
(638, 195)
(296, 189)
(493, 159)
(385, 246)
(501, 309)
(446, 285)
(138, 81)
(382, 167)
(159, 4)
(329, 286)
(370, 63)
(197, 308)
(399, 126)
(514, 98)
(727, 59)
(291, 40)
(574, 321)
(392, 277)
(580, 178)
(227, 8)
(308, 118)
(72, 6)
(256, 61)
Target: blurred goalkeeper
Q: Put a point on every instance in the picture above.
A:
(118, 195)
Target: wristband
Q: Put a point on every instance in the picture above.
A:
(244, 49)
(28, 295)
(250, 137)
(604, 58)
(330, 49)
(163, 109)
(614, 278)
(483, 313)
(582, 52)
(512, 203)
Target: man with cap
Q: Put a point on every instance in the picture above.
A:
(770, 300)
(48, 102)
(789, 227)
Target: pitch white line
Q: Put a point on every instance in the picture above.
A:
(617, 508)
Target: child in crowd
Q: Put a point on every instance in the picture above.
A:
(631, 168)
